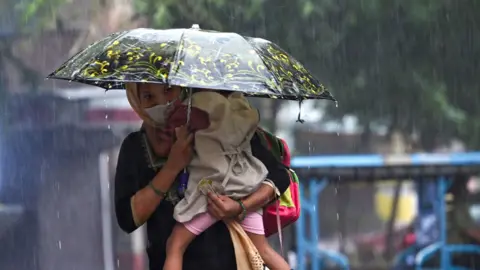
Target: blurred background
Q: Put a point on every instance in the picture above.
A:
(403, 72)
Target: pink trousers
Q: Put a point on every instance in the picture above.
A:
(253, 223)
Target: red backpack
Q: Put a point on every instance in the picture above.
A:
(287, 209)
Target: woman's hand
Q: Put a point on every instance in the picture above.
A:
(181, 152)
(223, 207)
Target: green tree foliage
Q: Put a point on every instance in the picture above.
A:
(408, 64)
(38, 14)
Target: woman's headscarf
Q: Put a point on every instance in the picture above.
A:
(134, 99)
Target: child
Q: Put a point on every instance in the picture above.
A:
(223, 155)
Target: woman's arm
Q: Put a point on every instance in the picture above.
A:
(221, 206)
(277, 181)
(259, 199)
(146, 200)
(125, 184)
(133, 207)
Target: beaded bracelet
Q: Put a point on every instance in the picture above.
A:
(157, 191)
(243, 214)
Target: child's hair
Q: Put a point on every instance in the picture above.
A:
(222, 92)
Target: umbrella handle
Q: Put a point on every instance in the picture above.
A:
(189, 105)
(184, 175)
(189, 111)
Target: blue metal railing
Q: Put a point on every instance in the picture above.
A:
(418, 159)
(308, 243)
(320, 169)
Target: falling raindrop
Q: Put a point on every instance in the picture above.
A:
(338, 123)
(106, 110)
(59, 244)
(340, 201)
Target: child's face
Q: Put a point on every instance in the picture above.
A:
(152, 94)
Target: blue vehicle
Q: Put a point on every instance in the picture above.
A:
(433, 174)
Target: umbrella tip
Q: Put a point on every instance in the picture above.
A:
(196, 26)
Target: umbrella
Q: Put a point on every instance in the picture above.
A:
(193, 58)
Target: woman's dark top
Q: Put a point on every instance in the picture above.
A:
(213, 249)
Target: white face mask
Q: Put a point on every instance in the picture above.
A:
(159, 113)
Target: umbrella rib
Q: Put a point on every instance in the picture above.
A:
(175, 58)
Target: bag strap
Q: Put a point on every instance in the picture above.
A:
(276, 146)
(279, 229)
